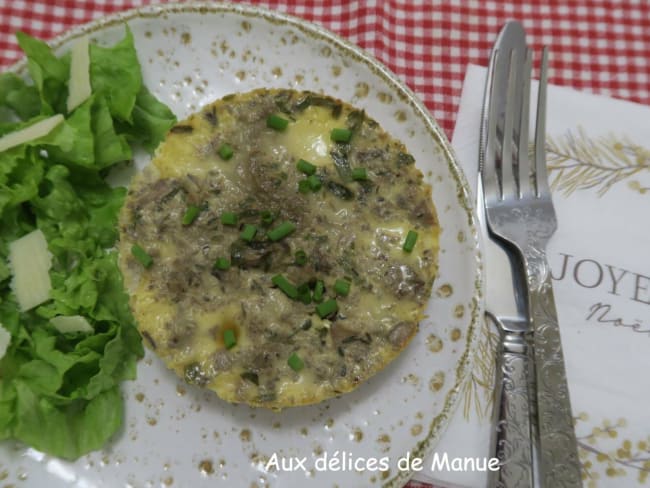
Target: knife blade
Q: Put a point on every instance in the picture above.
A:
(502, 296)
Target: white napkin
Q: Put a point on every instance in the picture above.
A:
(598, 153)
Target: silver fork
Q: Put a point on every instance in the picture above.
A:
(512, 443)
(520, 214)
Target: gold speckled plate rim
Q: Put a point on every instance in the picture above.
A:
(464, 367)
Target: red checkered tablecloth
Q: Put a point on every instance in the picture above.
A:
(602, 46)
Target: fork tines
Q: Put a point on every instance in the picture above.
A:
(512, 174)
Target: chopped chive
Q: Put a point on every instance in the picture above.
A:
(248, 232)
(276, 122)
(141, 255)
(285, 286)
(190, 214)
(267, 217)
(282, 230)
(341, 135)
(342, 287)
(306, 167)
(229, 339)
(229, 218)
(410, 240)
(225, 151)
(295, 362)
(303, 186)
(314, 182)
(318, 291)
(222, 264)
(359, 174)
(327, 308)
(303, 294)
(300, 257)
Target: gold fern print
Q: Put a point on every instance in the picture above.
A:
(577, 162)
(479, 389)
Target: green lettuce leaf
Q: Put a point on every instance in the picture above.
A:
(69, 431)
(77, 211)
(151, 121)
(72, 141)
(115, 74)
(65, 379)
(55, 385)
(97, 133)
(87, 138)
(110, 147)
(60, 392)
(21, 170)
(22, 99)
(7, 409)
(50, 73)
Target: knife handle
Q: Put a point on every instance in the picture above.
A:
(513, 446)
(559, 463)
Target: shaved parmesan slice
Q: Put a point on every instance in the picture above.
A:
(5, 339)
(71, 323)
(29, 133)
(30, 262)
(79, 84)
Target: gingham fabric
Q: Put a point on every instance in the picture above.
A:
(601, 46)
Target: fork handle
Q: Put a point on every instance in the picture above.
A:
(513, 436)
(559, 463)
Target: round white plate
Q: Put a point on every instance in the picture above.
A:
(178, 435)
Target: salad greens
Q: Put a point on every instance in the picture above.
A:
(59, 392)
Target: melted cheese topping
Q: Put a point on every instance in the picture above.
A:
(310, 135)
(349, 230)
